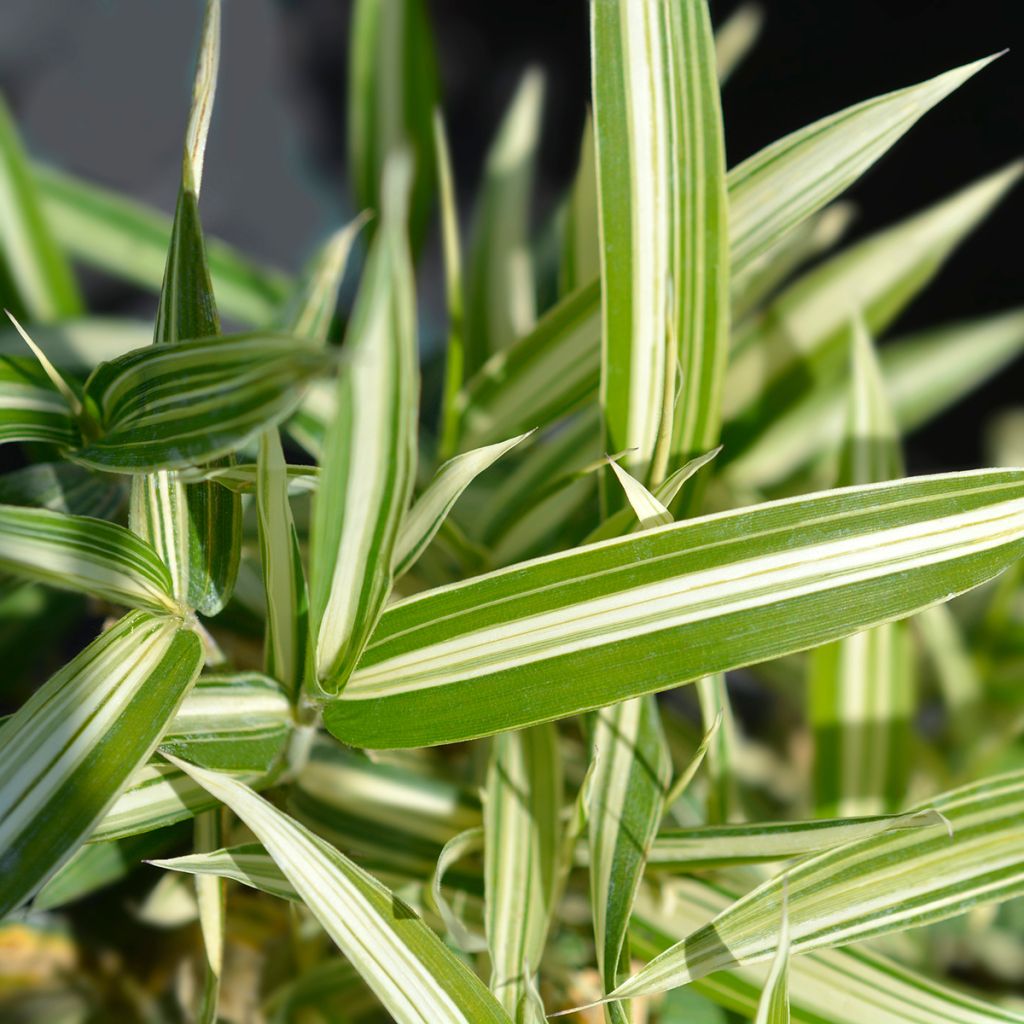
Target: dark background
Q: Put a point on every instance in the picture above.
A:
(101, 86)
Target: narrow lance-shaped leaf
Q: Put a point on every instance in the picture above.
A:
(128, 239)
(81, 344)
(211, 896)
(84, 555)
(64, 487)
(196, 528)
(862, 693)
(720, 761)
(43, 285)
(562, 634)
(581, 245)
(872, 987)
(428, 512)
(393, 90)
(369, 464)
(774, 1005)
(31, 408)
(417, 979)
(68, 752)
(522, 809)
(873, 886)
(500, 302)
(557, 365)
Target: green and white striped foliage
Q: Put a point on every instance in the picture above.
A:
(370, 452)
(530, 643)
(67, 754)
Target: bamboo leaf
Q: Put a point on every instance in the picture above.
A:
(176, 405)
(249, 864)
(428, 512)
(80, 344)
(559, 635)
(44, 286)
(500, 300)
(371, 453)
(470, 841)
(64, 487)
(31, 408)
(864, 888)
(522, 844)
(581, 246)
(211, 897)
(416, 978)
(71, 749)
(84, 555)
(393, 91)
(774, 1005)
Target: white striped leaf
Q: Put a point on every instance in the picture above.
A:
(64, 487)
(417, 979)
(35, 266)
(69, 751)
(248, 863)
(211, 898)
(723, 803)
(500, 300)
(522, 843)
(370, 458)
(774, 1005)
(233, 721)
(631, 776)
(565, 633)
(872, 987)
(421, 523)
(84, 555)
(465, 843)
(128, 239)
(715, 846)
(554, 367)
(581, 245)
(175, 405)
(925, 373)
(393, 90)
(872, 886)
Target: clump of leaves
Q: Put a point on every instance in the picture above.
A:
(398, 673)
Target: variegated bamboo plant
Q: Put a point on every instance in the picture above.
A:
(416, 686)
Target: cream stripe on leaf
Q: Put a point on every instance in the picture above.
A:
(417, 979)
(31, 408)
(85, 555)
(562, 634)
(522, 843)
(826, 986)
(862, 694)
(792, 179)
(370, 457)
(889, 882)
(211, 897)
(34, 265)
(68, 752)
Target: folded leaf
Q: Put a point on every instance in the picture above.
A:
(565, 633)
(71, 749)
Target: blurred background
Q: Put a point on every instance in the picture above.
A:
(101, 88)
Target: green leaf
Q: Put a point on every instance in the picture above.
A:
(827, 986)
(716, 846)
(211, 898)
(393, 91)
(522, 843)
(249, 864)
(421, 523)
(661, 177)
(233, 721)
(500, 299)
(370, 458)
(417, 979)
(84, 555)
(562, 634)
(31, 408)
(129, 239)
(71, 749)
(774, 1005)
(722, 750)
(81, 344)
(868, 887)
(175, 405)
(581, 245)
(43, 284)
(630, 780)
(64, 487)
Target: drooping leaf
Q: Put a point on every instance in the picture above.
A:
(69, 751)
(416, 978)
(561, 634)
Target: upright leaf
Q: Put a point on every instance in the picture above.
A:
(581, 246)
(417, 979)
(500, 301)
(565, 633)
(522, 842)
(370, 459)
(862, 689)
(71, 749)
(211, 896)
(43, 286)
